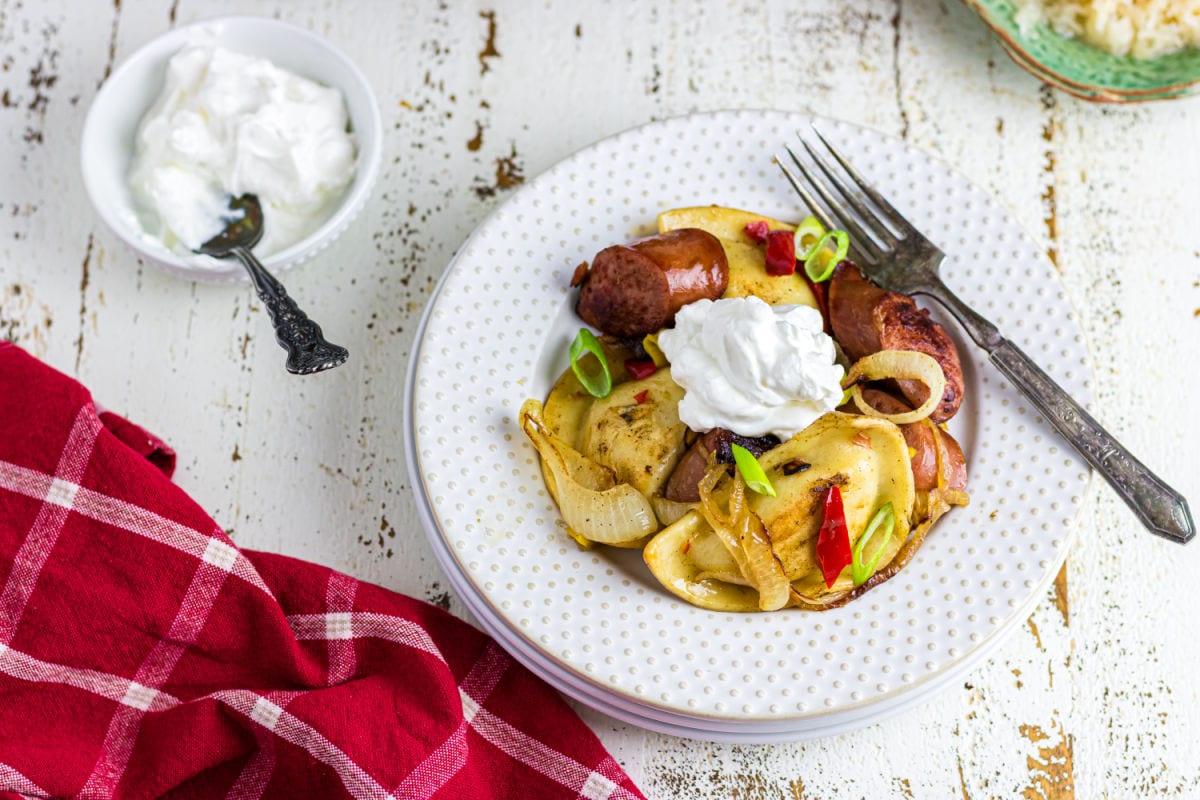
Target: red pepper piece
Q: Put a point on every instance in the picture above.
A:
(757, 230)
(639, 368)
(833, 544)
(640, 397)
(781, 253)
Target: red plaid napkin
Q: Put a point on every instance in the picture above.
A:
(143, 654)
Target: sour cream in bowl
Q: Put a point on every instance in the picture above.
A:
(752, 368)
(223, 107)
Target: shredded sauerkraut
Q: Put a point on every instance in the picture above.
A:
(1140, 28)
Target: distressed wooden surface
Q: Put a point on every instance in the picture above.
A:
(1095, 697)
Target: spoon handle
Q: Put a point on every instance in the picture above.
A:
(307, 349)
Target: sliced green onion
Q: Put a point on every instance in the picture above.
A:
(886, 517)
(847, 396)
(600, 383)
(819, 262)
(808, 233)
(752, 471)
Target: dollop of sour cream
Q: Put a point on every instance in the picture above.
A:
(226, 124)
(752, 368)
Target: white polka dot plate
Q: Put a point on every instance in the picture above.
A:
(596, 624)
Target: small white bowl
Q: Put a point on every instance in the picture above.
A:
(112, 122)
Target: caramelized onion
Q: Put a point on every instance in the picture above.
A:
(669, 511)
(743, 534)
(592, 504)
(897, 365)
(719, 519)
(764, 570)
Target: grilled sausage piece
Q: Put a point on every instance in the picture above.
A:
(920, 437)
(866, 319)
(635, 289)
(683, 485)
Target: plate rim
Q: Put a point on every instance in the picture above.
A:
(727, 730)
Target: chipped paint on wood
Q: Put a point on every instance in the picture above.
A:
(438, 596)
(798, 793)
(24, 320)
(112, 39)
(1050, 190)
(509, 174)
(1060, 595)
(478, 98)
(85, 277)
(489, 45)
(1052, 771)
(896, 44)
(476, 141)
(1033, 628)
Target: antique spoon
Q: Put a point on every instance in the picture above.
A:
(300, 336)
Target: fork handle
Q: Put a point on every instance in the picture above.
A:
(1160, 508)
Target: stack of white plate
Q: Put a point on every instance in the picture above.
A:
(595, 624)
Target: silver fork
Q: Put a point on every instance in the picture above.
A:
(905, 261)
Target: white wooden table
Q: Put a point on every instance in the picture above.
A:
(1096, 697)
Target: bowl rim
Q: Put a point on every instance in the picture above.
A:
(1103, 94)
(367, 162)
(1092, 94)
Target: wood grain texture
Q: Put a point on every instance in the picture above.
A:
(1094, 697)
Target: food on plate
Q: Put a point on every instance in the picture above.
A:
(758, 461)
(635, 289)
(747, 275)
(865, 459)
(226, 124)
(684, 483)
(590, 446)
(866, 319)
(727, 224)
(751, 367)
(935, 456)
(1139, 28)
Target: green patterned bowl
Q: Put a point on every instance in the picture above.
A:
(1085, 71)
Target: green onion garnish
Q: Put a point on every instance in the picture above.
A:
(847, 396)
(819, 263)
(808, 233)
(600, 383)
(752, 471)
(885, 516)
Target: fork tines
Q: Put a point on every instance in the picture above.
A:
(874, 231)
